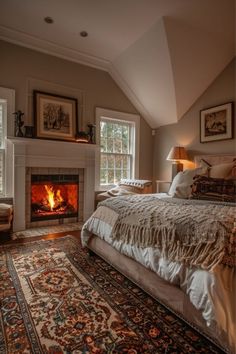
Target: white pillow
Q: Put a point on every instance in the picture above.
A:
(181, 185)
(222, 170)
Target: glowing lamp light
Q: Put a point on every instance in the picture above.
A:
(176, 154)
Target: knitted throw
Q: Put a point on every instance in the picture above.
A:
(194, 232)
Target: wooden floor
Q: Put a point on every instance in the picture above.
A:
(4, 239)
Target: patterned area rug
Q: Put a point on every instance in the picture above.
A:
(40, 231)
(56, 299)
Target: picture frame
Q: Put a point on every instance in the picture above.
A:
(55, 116)
(216, 123)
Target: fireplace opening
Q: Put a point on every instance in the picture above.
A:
(54, 196)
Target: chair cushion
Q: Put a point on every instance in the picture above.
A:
(5, 209)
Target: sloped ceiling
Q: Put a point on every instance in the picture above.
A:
(197, 57)
(146, 67)
(162, 53)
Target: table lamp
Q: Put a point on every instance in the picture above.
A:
(176, 154)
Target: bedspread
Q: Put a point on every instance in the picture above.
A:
(189, 231)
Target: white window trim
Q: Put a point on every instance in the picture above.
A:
(122, 116)
(8, 95)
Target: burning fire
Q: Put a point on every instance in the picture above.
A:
(49, 200)
(54, 198)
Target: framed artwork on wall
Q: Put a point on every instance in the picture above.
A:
(216, 123)
(55, 117)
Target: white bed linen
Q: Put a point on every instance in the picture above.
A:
(213, 293)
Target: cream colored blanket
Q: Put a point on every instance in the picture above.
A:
(194, 232)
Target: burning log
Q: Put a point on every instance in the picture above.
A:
(53, 201)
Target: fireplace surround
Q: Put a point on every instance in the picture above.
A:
(25, 157)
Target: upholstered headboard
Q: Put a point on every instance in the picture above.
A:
(214, 159)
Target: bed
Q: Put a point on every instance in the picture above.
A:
(195, 276)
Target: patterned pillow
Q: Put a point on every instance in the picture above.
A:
(219, 189)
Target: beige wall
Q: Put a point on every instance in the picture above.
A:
(95, 88)
(186, 131)
(18, 65)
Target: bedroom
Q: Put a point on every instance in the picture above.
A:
(30, 60)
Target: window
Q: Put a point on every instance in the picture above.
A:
(3, 113)
(117, 135)
(7, 107)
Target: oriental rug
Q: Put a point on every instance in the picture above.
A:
(56, 299)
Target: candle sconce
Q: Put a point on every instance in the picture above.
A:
(91, 133)
(18, 123)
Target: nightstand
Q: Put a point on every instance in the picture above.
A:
(159, 182)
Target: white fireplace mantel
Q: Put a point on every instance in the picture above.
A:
(25, 152)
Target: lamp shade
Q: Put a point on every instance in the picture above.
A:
(177, 153)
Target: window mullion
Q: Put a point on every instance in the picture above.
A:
(114, 166)
(106, 170)
(115, 153)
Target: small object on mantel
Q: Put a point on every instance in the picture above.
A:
(91, 133)
(82, 137)
(29, 131)
(18, 123)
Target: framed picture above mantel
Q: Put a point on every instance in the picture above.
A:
(216, 123)
(55, 117)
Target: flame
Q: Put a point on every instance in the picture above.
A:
(52, 198)
(50, 193)
(59, 197)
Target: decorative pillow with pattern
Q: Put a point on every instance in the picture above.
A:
(219, 189)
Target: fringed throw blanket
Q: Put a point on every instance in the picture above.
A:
(193, 232)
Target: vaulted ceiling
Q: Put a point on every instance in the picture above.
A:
(162, 53)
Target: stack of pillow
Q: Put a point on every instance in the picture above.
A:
(127, 187)
(131, 186)
(217, 182)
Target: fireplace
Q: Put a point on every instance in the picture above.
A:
(54, 196)
(26, 157)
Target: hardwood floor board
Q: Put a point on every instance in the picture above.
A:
(5, 240)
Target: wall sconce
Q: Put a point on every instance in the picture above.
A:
(176, 154)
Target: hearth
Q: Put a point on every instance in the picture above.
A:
(54, 196)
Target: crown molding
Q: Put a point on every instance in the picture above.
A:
(131, 95)
(32, 42)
